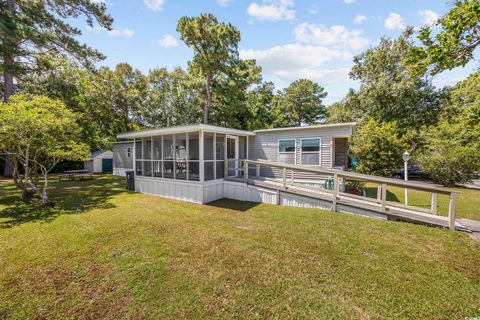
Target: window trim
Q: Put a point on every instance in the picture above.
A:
(312, 152)
(287, 152)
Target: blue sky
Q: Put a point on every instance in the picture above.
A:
(290, 39)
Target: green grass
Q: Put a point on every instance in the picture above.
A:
(107, 253)
(468, 200)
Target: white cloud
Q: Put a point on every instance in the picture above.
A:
(314, 9)
(428, 17)
(359, 19)
(113, 33)
(293, 61)
(337, 36)
(272, 10)
(168, 41)
(223, 3)
(394, 21)
(349, 1)
(154, 5)
(121, 33)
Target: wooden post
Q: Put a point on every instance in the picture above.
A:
(225, 169)
(379, 193)
(284, 178)
(245, 170)
(434, 203)
(451, 210)
(257, 169)
(335, 191)
(384, 197)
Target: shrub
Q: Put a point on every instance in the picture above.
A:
(378, 147)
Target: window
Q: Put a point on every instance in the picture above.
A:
(193, 164)
(286, 151)
(209, 155)
(310, 152)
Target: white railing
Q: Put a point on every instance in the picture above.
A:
(241, 170)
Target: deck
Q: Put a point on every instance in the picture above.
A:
(338, 200)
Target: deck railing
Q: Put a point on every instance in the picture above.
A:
(240, 169)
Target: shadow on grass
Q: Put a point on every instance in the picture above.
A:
(371, 192)
(233, 204)
(72, 197)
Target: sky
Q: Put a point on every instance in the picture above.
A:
(290, 39)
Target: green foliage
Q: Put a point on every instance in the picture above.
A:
(260, 105)
(452, 148)
(378, 147)
(172, 98)
(388, 89)
(449, 165)
(215, 48)
(230, 94)
(106, 101)
(300, 103)
(39, 132)
(346, 110)
(453, 45)
(33, 30)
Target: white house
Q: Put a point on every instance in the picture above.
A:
(194, 162)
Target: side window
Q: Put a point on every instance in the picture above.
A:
(310, 155)
(286, 151)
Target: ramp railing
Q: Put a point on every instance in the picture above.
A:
(285, 178)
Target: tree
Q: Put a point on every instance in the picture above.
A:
(452, 148)
(300, 103)
(454, 43)
(123, 89)
(378, 147)
(39, 132)
(260, 105)
(388, 89)
(216, 49)
(106, 101)
(172, 98)
(32, 30)
(346, 110)
(230, 94)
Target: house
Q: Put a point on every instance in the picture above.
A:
(100, 161)
(194, 162)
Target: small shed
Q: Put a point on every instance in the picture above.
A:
(100, 161)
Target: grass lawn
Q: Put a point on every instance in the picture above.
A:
(468, 200)
(107, 253)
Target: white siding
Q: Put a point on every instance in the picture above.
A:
(190, 191)
(264, 146)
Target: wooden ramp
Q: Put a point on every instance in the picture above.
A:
(337, 199)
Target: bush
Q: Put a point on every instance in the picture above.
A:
(450, 165)
(378, 148)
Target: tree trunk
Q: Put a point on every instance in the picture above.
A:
(8, 89)
(7, 77)
(206, 111)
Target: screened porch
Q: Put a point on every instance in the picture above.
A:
(197, 155)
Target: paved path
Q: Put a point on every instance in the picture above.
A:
(473, 226)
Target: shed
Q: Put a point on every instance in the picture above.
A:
(100, 161)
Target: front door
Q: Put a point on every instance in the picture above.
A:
(232, 154)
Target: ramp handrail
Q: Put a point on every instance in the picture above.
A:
(382, 185)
